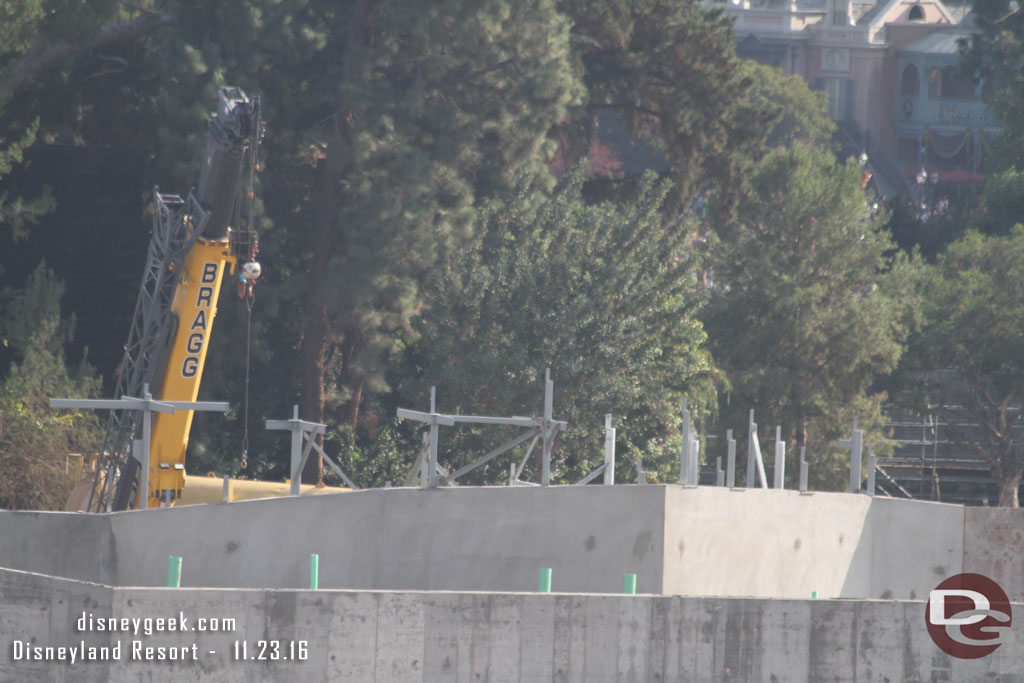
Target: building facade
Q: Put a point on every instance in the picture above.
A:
(890, 72)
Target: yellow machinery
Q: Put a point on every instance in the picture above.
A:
(194, 305)
(190, 251)
(211, 489)
(197, 489)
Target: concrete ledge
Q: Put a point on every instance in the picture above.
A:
(434, 637)
(682, 541)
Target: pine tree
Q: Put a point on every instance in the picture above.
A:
(604, 295)
(669, 70)
(995, 52)
(801, 114)
(808, 305)
(968, 359)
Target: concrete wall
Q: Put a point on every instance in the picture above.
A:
(690, 541)
(398, 539)
(434, 637)
(785, 544)
(994, 546)
(76, 546)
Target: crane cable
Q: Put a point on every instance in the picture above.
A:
(251, 196)
(245, 410)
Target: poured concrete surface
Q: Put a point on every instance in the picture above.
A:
(689, 541)
(435, 637)
(785, 544)
(994, 546)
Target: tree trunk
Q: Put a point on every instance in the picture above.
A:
(350, 379)
(314, 348)
(1009, 485)
(315, 332)
(317, 336)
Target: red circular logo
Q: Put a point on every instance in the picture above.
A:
(968, 615)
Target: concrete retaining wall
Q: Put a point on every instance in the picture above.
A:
(407, 539)
(434, 637)
(785, 544)
(994, 546)
(689, 541)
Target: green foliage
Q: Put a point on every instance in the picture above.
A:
(388, 123)
(809, 306)
(996, 52)
(19, 21)
(34, 440)
(604, 295)
(385, 455)
(391, 123)
(669, 69)
(17, 212)
(1002, 203)
(968, 357)
(801, 113)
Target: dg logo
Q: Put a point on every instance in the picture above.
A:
(968, 616)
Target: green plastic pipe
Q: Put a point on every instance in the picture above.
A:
(173, 572)
(629, 584)
(544, 584)
(314, 572)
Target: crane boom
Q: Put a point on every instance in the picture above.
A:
(191, 248)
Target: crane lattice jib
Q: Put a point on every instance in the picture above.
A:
(177, 225)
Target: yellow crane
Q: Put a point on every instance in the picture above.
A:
(193, 248)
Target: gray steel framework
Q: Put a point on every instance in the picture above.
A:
(543, 429)
(177, 224)
(130, 405)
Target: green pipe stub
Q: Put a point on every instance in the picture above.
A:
(173, 572)
(544, 582)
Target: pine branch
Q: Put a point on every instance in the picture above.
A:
(626, 105)
(43, 52)
(475, 74)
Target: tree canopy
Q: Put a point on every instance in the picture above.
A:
(996, 52)
(809, 303)
(604, 295)
(968, 360)
(35, 440)
(801, 114)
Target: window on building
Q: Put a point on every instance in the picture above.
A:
(910, 82)
(840, 93)
(916, 13)
(839, 16)
(935, 82)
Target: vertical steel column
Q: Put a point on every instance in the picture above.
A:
(296, 481)
(803, 468)
(147, 432)
(871, 470)
(432, 453)
(780, 459)
(694, 462)
(856, 445)
(684, 455)
(730, 464)
(549, 392)
(751, 446)
(609, 451)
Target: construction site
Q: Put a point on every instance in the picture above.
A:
(155, 575)
(442, 585)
